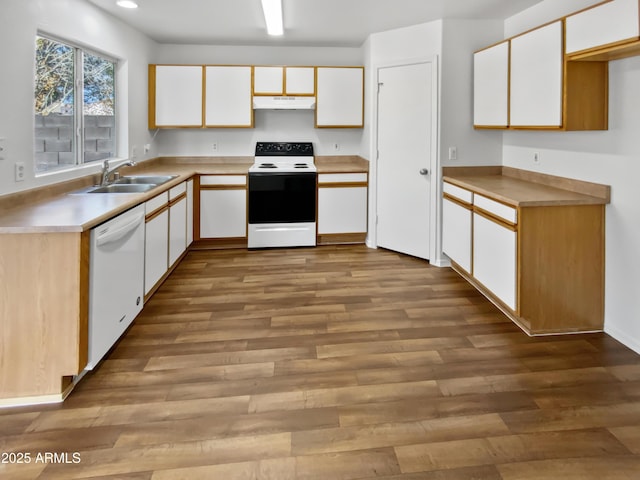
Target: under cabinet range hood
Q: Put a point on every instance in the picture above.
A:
(284, 103)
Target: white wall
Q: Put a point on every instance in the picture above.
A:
(269, 125)
(460, 38)
(79, 22)
(610, 157)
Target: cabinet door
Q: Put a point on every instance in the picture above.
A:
(189, 212)
(342, 210)
(456, 233)
(223, 213)
(491, 86)
(268, 80)
(177, 230)
(340, 97)
(494, 258)
(228, 97)
(536, 78)
(176, 96)
(156, 250)
(300, 81)
(602, 25)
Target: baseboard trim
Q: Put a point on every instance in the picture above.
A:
(30, 401)
(623, 338)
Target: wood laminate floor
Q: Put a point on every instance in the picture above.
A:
(335, 363)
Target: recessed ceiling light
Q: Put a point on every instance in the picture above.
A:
(273, 16)
(127, 4)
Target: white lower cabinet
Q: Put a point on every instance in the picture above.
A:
(342, 207)
(342, 210)
(156, 251)
(177, 222)
(456, 233)
(166, 236)
(495, 258)
(223, 206)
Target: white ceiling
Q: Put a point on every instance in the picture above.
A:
(344, 23)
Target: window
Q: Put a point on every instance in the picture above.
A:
(75, 106)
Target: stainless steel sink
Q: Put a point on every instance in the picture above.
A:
(144, 180)
(122, 188)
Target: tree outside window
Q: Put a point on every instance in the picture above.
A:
(65, 117)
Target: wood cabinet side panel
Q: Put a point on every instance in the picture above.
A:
(561, 253)
(83, 312)
(586, 98)
(40, 301)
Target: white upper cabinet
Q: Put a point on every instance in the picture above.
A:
(491, 86)
(536, 77)
(175, 96)
(602, 25)
(300, 81)
(228, 99)
(340, 97)
(268, 80)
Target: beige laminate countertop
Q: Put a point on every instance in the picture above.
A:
(70, 212)
(532, 190)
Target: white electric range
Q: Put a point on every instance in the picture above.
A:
(282, 195)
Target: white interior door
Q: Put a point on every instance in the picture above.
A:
(405, 150)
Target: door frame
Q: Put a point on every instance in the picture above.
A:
(435, 174)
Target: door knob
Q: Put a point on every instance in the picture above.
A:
(424, 171)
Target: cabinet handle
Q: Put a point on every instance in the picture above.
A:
(424, 171)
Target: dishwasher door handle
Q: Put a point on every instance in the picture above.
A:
(110, 235)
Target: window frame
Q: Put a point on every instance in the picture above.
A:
(78, 134)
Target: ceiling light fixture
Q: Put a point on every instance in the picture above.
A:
(127, 4)
(273, 16)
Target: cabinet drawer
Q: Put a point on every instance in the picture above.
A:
(325, 178)
(156, 202)
(457, 192)
(177, 190)
(223, 180)
(498, 209)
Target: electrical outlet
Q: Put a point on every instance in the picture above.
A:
(147, 147)
(134, 152)
(453, 153)
(20, 171)
(336, 147)
(536, 157)
(214, 146)
(3, 148)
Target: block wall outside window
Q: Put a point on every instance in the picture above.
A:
(54, 140)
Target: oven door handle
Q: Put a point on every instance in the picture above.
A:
(281, 229)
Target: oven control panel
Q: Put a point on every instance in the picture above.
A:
(297, 149)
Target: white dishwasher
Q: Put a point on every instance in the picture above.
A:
(116, 280)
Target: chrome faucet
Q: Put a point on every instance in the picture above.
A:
(106, 173)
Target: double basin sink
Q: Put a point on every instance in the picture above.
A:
(132, 184)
